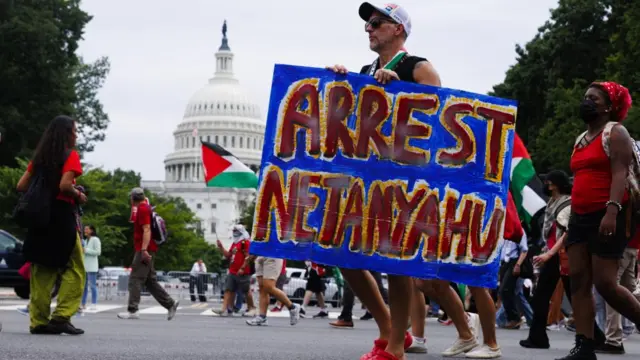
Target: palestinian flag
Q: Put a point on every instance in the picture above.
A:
(526, 186)
(222, 169)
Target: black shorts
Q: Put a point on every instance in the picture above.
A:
(315, 283)
(585, 229)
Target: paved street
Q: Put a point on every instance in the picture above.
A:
(194, 334)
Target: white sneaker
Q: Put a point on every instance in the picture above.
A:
(250, 313)
(129, 315)
(92, 308)
(484, 352)
(474, 324)
(258, 321)
(221, 312)
(173, 310)
(418, 346)
(294, 314)
(461, 346)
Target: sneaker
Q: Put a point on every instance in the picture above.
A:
(366, 316)
(65, 327)
(531, 344)
(379, 346)
(294, 314)
(173, 310)
(24, 311)
(610, 349)
(258, 321)
(418, 346)
(341, 324)
(461, 346)
(250, 313)
(474, 324)
(92, 307)
(129, 315)
(321, 315)
(221, 312)
(276, 309)
(583, 350)
(484, 352)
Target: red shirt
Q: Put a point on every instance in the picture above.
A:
(635, 240)
(237, 254)
(318, 268)
(143, 217)
(512, 227)
(591, 168)
(72, 164)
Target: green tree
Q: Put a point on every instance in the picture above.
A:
(584, 41)
(43, 77)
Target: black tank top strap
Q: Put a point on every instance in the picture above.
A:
(404, 68)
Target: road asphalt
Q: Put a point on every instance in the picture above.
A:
(195, 334)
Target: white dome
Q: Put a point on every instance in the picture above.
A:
(221, 97)
(221, 112)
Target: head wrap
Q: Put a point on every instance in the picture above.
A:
(619, 97)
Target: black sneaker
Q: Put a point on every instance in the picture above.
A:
(321, 315)
(583, 350)
(610, 349)
(45, 330)
(366, 316)
(530, 344)
(65, 327)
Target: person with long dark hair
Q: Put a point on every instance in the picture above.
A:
(602, 220)
(558, 189)
(55, 249)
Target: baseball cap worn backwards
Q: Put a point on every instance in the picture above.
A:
(396, 12)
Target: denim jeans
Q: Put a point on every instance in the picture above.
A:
(239, 300)
(91, 281)
(521, 303)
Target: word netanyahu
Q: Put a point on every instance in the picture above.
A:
(383, 218)
(401, 178)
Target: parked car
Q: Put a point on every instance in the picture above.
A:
(11, 260)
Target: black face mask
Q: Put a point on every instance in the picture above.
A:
(588, 110)
(546, 191)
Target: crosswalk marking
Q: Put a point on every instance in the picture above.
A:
(156, 310)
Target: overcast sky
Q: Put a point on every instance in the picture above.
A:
(162, 52)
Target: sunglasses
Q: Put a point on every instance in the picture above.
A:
(376, 22)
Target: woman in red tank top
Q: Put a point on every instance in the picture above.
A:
(600, 224)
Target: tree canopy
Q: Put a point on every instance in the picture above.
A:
(42, 76)
(583, 41)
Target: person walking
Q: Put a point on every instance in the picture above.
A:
(142, 270)
(53, 247)
(92, 251)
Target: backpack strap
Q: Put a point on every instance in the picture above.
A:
(561, 207)
(606, 136)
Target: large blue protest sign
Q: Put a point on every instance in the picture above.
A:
(405, 179)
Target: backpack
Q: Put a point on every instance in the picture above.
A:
(159, 232)
(633, 177)
(33, 210)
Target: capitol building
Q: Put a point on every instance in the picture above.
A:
(222, 113)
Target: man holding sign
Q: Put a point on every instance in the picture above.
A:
(387, 171)
(388, 27)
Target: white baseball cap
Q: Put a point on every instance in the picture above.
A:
(395, 12)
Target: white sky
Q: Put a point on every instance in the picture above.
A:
(162, 52)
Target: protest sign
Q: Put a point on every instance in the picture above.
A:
(404, 178)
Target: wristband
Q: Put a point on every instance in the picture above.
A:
(615, 203)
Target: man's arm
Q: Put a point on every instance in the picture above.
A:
(424, 73)
(146, 236)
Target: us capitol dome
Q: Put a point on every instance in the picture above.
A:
(222, 113)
